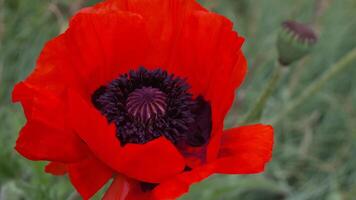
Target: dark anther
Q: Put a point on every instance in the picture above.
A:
(199, 131)
(95, 97)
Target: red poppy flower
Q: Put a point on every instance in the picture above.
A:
(137, 91)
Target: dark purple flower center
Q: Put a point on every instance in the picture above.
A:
(146, 104)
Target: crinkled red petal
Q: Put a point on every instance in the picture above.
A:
(245, 150)
(180, 184)
(223, 99)
(97, 47)
(38, 141)
(56, 168)
(40, 105)
(152, 162)
(103, 45)
(89, 175)
(46, 130)
(124, 188)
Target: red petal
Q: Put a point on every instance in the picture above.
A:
(163, 20)
(245, 150)
(23, 94)
(97, 47)
(216, 57)
(222, 101)
(40, 104)
(180, 184)
(150, 162)
(45, 136)
(105, 44)
(38, 141)
(124, 188)
(88, 176)
(56, 168)
(94, 129)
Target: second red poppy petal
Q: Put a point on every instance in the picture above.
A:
(245, 150)
(89, 175)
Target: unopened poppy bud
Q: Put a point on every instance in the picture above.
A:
(295, 40)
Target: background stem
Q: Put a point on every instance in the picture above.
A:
(257, 110)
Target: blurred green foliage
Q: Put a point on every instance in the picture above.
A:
(315, 150)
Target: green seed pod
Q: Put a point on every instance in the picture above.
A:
(295, 40)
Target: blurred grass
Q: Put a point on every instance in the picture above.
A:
(315, 145)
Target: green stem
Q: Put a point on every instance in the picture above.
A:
(317, 85)
(256, 112)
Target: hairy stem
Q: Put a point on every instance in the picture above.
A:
(256, 112)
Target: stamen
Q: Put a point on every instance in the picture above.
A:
(147, 104)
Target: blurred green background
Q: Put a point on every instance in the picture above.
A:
(315, 152)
